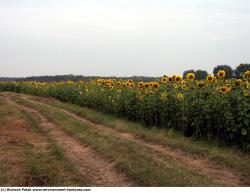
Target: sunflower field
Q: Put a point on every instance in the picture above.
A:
(215, 109)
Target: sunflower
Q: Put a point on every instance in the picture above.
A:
(124, 84)
(238, 82)
(175, 86)
(118, 84)
(247, 84)
(177, 78)
(164, 96)
(184, 87)
(210, 78)
(170, 79)
(245, 93)
(131, 85)
(190, 76)
(155, 85)
(183, 82)
(224, 89)
(146, 85)
(221, 74)
(200, 84)
(110, 86)
(140, 84)
(146, 92)
(164, 79)
(246, 74)
(180, 96)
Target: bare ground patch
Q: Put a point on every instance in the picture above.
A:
(205, 167)
(16, 139)
(95, 168)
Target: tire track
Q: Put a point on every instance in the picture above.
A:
(216, 172)
(96, 169)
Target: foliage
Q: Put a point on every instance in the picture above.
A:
(214, 109)
(241, 69)
(226, 68)
(201, 74)
(186, 72)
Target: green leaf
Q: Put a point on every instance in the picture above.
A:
(243, 131)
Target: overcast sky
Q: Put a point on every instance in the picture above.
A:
(121, 37)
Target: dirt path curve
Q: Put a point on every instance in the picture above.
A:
(205, 167)
(96, 169)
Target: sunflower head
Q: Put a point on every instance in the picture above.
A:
(131, 85)
(245, 93)
(221, 74)
(175, 86)
(200, 84)
(238, 82)
(224, 89)
(140, 84)
(247, 85)
(210, 78)
(184, 87)
(164, 96)
(183, 82)
(146, 85)
(118, 84)
(164, 79)
(155, 85)
(190, 76)
(180, 96)
(177, 78)
(246, 74)
(170, 79)
(124, 84)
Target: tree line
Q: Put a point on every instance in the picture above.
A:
(230, 73)
(71, 77)
(199, 75)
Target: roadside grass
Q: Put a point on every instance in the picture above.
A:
(26, 164)
(233, 158)
(49, 168)
(141, 165)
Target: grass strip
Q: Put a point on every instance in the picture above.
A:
(136, 161)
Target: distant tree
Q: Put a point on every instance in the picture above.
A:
(186, 72)
(200, 74)
(226, 68)
(76, 78)
(241, 69)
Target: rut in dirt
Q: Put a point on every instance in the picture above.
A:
(95, 168)
(205, 167)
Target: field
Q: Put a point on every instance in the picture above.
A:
(170, 132)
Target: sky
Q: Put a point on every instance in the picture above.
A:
(121, 38)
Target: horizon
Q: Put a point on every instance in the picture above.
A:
(94, 75)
